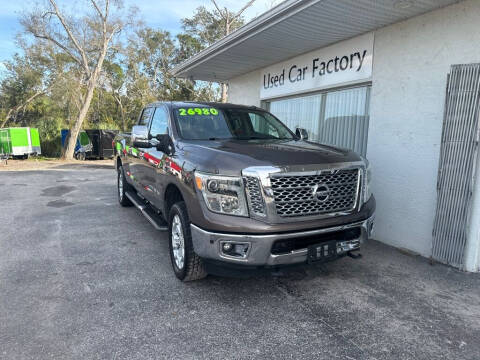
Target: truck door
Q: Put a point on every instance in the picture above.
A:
(137, 165)
(155, 174)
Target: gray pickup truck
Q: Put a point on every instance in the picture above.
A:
(236, 189)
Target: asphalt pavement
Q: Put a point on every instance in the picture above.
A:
(83, 278)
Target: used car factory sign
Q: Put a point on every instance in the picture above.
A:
(345, 62)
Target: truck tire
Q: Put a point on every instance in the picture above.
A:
(187, 265)
(122, 187)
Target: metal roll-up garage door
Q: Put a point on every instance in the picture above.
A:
(457, 164)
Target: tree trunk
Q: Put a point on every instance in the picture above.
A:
(225, 15)
(227, 32)
(92, 84)
(75, 130)
(224, 92)
(7, 118)
(122, 112)
(118, 99)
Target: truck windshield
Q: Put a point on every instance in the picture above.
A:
(208, 123)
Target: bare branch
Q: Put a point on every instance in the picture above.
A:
(240, 12)
(220, 11)
(107, 2)
(60, 45)
(47, 13)
(107, 5)
(71, 36)
(98, 10)
(116, 29)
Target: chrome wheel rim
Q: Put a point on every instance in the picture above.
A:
(120, 185)
(178, 242)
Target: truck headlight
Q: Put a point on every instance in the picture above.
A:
(368, 178)
(222, 194)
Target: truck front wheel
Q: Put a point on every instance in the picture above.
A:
(186, 264)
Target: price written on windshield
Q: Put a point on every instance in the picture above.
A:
(197, 111)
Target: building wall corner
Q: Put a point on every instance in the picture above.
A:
(472, 248)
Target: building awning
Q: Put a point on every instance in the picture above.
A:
(295, 27)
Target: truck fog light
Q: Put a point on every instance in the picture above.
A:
(234, 249)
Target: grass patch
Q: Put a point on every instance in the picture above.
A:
(42, 158)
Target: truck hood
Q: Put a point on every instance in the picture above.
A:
(231, 156)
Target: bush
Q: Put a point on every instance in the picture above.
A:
(51, 147)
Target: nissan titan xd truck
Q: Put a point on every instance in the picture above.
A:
(237, 189)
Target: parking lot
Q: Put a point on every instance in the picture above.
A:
(83, 278)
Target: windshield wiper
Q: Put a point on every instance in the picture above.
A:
(213, 138)
(252, 138)
(263, 138)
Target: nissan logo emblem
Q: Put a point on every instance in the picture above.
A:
(321, 192)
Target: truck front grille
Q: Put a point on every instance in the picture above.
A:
(295, 194)
(254, 194)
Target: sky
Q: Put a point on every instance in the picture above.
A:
(165, 14)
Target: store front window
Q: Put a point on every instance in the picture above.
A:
(337, 118)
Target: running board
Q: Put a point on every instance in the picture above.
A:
(154, 219)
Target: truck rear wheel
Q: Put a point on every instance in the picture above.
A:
(187, 265)
(122, 187)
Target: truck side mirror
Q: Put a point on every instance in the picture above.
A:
(165, 144)
(140, 137)
(301, 133)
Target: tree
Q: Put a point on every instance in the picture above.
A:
(229, 19)
(208, 27)
(115, 78)
(74, 71)
(229, 22)
(85, 40)
(151, 55)
(29, 76)
(39, 90)
(187, 46)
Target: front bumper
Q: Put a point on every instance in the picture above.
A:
(208, 244)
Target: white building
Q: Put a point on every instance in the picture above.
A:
(371, 75)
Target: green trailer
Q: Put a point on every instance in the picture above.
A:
(20, 142)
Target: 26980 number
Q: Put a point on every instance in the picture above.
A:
(197, 111)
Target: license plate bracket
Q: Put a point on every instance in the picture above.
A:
(322, 252)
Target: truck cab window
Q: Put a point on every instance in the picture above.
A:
(263, 127)
(159, 122)
(145, 118)
(256, 121)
